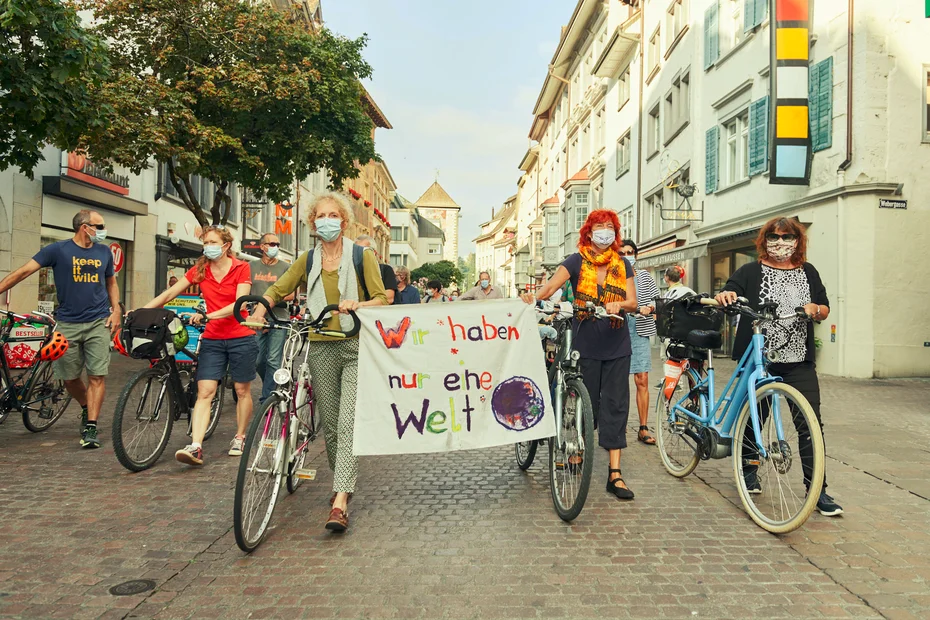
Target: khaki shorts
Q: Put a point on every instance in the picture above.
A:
(88, 347)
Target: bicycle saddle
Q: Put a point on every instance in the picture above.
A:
(705, 339)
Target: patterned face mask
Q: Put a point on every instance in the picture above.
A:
(781, 250)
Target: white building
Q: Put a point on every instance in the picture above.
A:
(405, 234)
(438, 207)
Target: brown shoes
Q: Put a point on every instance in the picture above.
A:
(338, 520)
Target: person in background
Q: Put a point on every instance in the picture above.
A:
(434, 292)
(387, 272)
(406, 292)
(88, 312)
(483, 290)
(264, 273)
(172, 281)
(455, 295)
(675, 281)
(641, 328)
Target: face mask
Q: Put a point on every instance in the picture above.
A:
(328, 228)
(631, 259)
(212, 252)
(485, 283)
(603, 238)
(272, 252)
(780, 250)
(99, 236)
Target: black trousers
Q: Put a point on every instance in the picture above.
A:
(608, 384)
(803, 377)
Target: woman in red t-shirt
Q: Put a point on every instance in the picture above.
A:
(222, 279)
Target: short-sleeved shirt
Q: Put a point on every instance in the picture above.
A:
(410, 295)
(218, 295)
(80, 279)
(263, 276)
(597, 339)
(389, 279)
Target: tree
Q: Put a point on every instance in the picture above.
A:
(445, 271)
(231, 91)
(467, 267)
(49, 68)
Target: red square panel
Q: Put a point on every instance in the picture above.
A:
(791, 10)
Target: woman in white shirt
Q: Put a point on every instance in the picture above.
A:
(673, 279)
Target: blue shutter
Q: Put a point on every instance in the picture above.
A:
(711, 144)
(711, 36)
(762, 11)
(749, 15)
(821, 105)
(758, 136)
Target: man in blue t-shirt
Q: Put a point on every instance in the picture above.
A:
(88, 311)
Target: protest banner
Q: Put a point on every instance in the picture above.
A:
(452, 376)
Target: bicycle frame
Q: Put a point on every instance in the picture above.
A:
(563, 368)
(13, 394)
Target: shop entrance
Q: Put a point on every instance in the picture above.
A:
(723, 264)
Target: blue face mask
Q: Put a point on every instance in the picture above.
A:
(328, 228)
(485, 283)
(272, 252)
(99, 236)
(632, 260)
(212, 252)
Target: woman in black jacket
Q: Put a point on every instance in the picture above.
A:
(782, 275)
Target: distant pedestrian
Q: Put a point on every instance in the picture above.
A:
(434, 292)
(270, 342)
(483, 291)
(675, 281)
(387, 272)
(88, 312)
(406, 292)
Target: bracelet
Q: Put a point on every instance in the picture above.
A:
(817, 316)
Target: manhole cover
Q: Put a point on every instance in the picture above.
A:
(136, 586)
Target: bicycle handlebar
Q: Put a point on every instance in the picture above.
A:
(741, 306)
(276, 323)
(33, 317)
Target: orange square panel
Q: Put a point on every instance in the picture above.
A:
(791, 10)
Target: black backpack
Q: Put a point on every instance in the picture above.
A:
(145, 333)
(358, 253)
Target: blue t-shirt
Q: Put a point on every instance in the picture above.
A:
(597, 339)
(410, 295)
(80, 279)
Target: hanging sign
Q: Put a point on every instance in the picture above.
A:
(790, 74)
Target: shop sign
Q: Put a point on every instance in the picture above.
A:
(252, 247)
(119, 257)
(81, 167)
(282, 220)
(887, 203)
(672, 258)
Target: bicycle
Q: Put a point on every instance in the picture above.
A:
(279, 438)
(570, 463)
(36, 393)
(747, 421)
(141, 436)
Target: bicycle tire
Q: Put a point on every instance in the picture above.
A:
(560, 460)
(681, 463)
(216, 408)
(48, 387)
(147, 378)
(304, 414)
(264, 436)
(525, 453)
(753, 503)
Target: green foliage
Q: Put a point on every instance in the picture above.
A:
(469, 271)
(445, 271)
(232, 91)
(49, 66)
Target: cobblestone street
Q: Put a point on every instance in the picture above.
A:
(467, 535)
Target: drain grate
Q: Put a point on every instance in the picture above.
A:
(136, 586)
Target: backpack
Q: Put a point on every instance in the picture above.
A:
(146, 333)
(358, 253)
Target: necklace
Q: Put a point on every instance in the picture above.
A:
(332, 257)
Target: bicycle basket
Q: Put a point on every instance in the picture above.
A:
(675, 318)
(146, 332)
(23, 343)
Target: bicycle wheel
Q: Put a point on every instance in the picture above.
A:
(258, 483)
(143, 419)
(46, 401)
(301, 430)
(678, 451)
(525, 452)
(780, 490)
(570, 463)
(216, 408)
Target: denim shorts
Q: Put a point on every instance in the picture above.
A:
(239, 354)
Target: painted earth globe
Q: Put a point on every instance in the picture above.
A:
(517, 404)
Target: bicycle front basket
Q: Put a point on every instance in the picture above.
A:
(146, 333)
(675, 318)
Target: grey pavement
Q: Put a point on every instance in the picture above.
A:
(467, 535)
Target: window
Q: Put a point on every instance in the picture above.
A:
(623, 87)
(623, 154)
(737, 148)
(652, 58)
(537, 244)
(399, 233)
(655, 135)
(626, 223)
(711, 36)
(756, 11)
(820, 98)
(552, 229)
(433, 248)
(675, 20)
(653, 213)
(572, 158)
(397, 260)
(585, 153)
(677, 108)
(581, 209)
(601, 130)
(733, 23)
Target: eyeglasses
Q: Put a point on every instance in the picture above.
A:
(274, 245)
(97, 226)
(630, 253)
(785, 237)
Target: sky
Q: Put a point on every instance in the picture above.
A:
(458, 81)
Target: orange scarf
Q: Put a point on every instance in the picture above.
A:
(614, 288)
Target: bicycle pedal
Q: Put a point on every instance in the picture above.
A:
(306, 474)
(559, 466)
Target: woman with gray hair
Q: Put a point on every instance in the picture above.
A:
(331, 278)
(406, 292)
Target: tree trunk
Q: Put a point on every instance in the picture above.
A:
(183, 186)
(221, 197)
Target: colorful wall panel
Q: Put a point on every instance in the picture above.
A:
(791, 140)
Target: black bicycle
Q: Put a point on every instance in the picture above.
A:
(151, 402)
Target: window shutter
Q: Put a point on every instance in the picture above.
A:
(711, 36)
(758, 136)
(749, 15)
(821, 105)
(712, 140)
(761, 11)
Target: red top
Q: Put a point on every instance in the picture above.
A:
(220, 294)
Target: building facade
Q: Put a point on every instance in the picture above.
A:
(438, 207)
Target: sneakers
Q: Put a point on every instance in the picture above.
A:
(752, 483)
(235, 446)
(89, 439)
(828, 506)
(190, 455)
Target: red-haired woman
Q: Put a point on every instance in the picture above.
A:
(600, 275)
(783, 275)
(222, 279)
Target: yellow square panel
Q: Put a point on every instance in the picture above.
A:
(792, 44)
(791, 121)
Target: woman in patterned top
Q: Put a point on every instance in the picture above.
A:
(782, 275)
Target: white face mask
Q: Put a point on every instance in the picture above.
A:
(780, 250)
(603, 238)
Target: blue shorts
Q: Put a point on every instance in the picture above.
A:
(240, 354)
(641, 359)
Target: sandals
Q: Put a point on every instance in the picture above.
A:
(645, 437)
(616, 489)
(338, 520)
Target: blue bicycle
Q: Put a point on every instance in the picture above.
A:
(768, 426)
